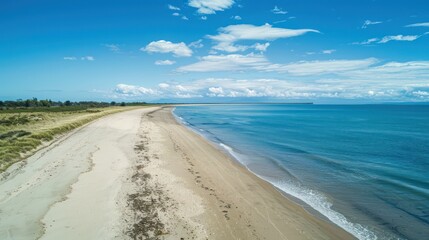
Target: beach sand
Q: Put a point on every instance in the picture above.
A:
(140, 174)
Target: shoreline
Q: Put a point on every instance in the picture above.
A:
(278, 216)
(227, 150)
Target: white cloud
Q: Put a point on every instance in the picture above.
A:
(408, 38)
(359, 88)
(421, 93)
(163, 85)
(243, 88)
(258, 62)
(210, 6)
(329, 51)
(273, 88)
(196, 44)
(174, 8)
(222, 88)
(261, 47)
(277, 10)
(369, 41)
(176, 14)
(88, 58)
(113, 47)
(217, 90)
(234, 33)
(229, 35)
(162, 46)
(232, 62)
(181, 88)
(85, 58)
(305, 68)
(369, 22)
(345, 79)
(386, 39)
(280, 21)
(238, 18)
(204, 18)
(397, 71)
(165, 62)
(229, 47)
(132, 91)
(424, 24)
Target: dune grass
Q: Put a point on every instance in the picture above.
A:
(23, 132)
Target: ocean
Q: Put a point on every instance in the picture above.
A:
(364, 167)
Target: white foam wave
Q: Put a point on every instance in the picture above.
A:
(232, 153)
(320, 203)
(315, 200)
(179, 118)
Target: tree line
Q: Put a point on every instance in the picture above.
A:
(47, 103)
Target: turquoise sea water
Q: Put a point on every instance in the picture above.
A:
(364, 167)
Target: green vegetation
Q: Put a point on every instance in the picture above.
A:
(35, 105)
(23, 129)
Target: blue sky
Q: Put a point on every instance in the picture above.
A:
(215, 50)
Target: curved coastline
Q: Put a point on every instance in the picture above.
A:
(336, 219)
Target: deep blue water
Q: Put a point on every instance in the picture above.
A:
(365, 167)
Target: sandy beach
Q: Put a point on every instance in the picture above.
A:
(140, 174)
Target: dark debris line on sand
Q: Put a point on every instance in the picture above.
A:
(147, 200)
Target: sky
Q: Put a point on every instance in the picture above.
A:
(356, 51)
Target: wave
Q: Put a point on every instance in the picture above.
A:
(312, 198)
(178, 118)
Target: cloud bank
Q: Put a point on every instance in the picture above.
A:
(365, 79)
(258, 62)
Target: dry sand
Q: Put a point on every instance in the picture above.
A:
(140, 174)
(72, 189)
